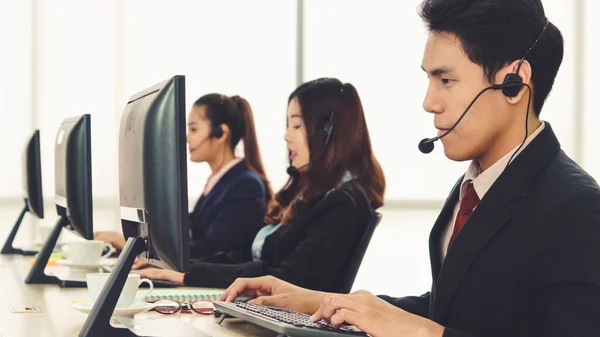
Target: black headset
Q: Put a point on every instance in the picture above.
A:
(217, 130)
(328, 125)
(513, 82)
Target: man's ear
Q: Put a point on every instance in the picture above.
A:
(525, 74)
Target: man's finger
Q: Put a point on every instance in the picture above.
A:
(331, 304)
(273, 301)
(239, 287)
(346, 316)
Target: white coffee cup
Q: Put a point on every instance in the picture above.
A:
(96, 281)
(88, 251)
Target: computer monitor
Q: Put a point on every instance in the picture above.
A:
(32, 191)
(153, 173)
(152, 189)
(73, 189)
(73, 174)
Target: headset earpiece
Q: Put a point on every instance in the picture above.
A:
(216, 132)
(328, 124)
(513, 82)
(512, 85)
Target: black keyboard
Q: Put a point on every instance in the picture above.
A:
(284, 321)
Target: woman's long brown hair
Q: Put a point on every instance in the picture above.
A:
(349, 149)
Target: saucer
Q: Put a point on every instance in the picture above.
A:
(136, 308)
(71, 264)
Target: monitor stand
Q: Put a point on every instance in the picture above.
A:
(36, 273)
(8, 245)
(97, 323)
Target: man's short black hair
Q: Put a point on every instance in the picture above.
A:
(495, 33)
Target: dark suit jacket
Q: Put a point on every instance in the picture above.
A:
(228, 218)
(313, 252)
(527, 261)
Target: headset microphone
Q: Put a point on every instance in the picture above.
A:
(426, 145)
(293, 172)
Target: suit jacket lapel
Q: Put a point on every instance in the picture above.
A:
(435, 237)
(435, 252)
(487, 219)
(491, 214)
(206, 199)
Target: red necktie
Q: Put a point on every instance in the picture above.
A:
(467, 204)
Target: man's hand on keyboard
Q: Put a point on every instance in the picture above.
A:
(271, 291)
(374, 316)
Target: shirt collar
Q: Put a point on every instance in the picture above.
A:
(214, 179)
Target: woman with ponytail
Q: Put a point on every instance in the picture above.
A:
(317, 220)
(232, 207)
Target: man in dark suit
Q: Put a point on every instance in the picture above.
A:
(516, 248)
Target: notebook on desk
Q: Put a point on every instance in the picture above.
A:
(184, 295)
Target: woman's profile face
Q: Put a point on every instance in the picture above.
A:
(201, 148)
(295, 136)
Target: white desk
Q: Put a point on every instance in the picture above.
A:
(59, 319)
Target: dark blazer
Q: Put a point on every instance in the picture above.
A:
(313, 251)
(228, 218)
(527, 261)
